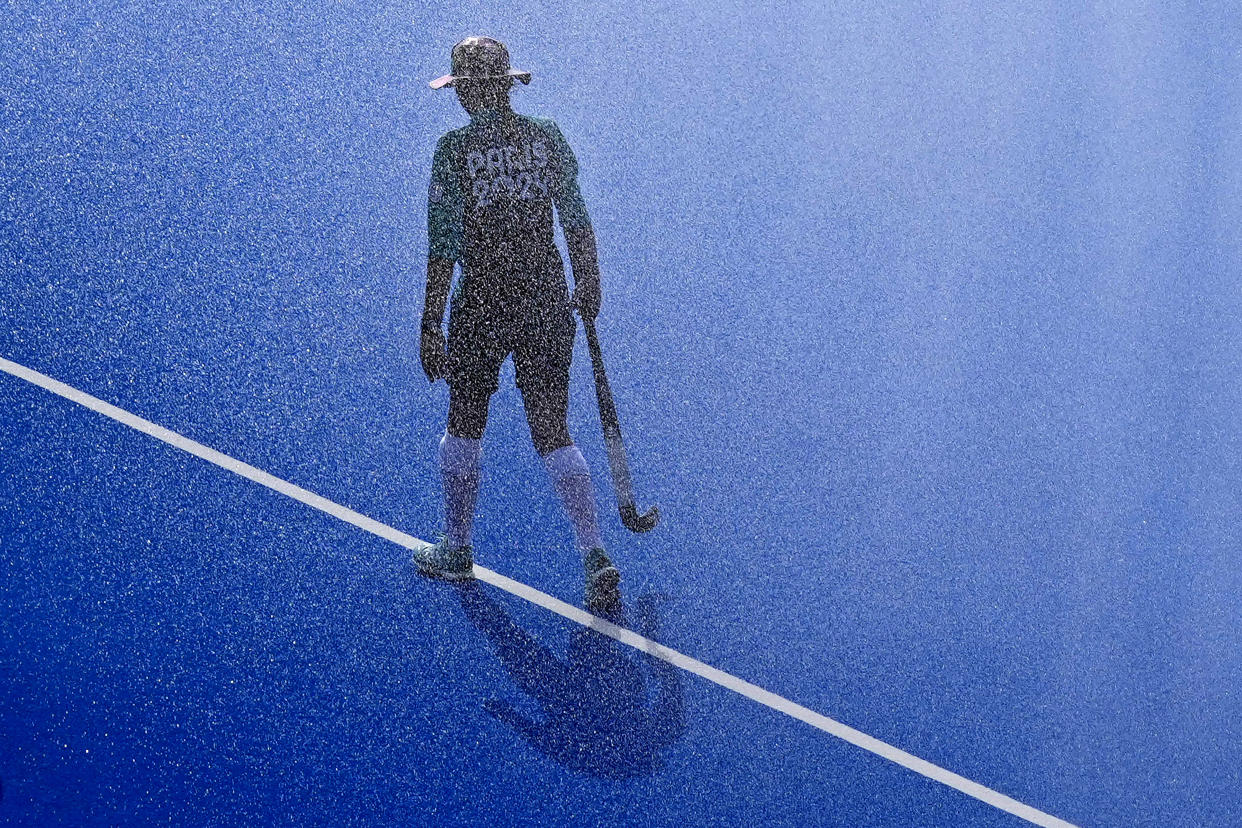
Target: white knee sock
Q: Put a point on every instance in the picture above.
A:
(459, 463)
(572, 480)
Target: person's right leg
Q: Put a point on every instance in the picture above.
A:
(474, 369)
(461, 450)
(460, 456)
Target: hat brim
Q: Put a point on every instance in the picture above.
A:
(449, 80)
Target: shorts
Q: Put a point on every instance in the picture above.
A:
(541, 339)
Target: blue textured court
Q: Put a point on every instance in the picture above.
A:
(931, 366)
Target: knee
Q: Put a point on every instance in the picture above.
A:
(467, 416)
(549, 439)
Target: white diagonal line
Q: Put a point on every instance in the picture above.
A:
(541, 599)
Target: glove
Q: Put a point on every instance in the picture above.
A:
(433, 353)
(587, 298)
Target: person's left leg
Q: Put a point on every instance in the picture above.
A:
(571, 478)
(543, 378)
(546, 415)
(541, 358)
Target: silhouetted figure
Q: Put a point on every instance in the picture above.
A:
(497, 184)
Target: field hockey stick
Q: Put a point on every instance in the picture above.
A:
(617, 464)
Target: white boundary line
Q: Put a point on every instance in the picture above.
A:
(534, 596)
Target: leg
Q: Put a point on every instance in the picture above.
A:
(467, 416)
(460, 455)
(543, 350)
(547, 417)
(549, 431)
(542, 367)
(452, 557)
(474, 368)
(572, 480)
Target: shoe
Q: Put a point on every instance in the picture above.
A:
(601, 580)
(440, 560)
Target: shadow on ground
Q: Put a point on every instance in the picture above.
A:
(599, 716)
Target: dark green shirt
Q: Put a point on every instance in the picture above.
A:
(494, 184)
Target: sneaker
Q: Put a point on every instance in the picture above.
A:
(440, 560)
(601, 580)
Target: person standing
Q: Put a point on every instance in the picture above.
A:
(495, 185)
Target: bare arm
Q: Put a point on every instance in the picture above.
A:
(582, 256)
(439, 280)
(432, 352)
(576, 223)
(585, 264)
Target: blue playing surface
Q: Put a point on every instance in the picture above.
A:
(924, 325)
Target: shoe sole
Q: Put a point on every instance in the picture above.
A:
(440, 575)
(444, 574)
(606, 578)
(603, 587)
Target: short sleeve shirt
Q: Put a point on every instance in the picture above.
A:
(494, 184)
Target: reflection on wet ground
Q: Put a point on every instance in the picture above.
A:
(607, 710)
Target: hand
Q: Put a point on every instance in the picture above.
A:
(587, 298)
(433, 353)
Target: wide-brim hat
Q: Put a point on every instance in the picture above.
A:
(480, 58)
